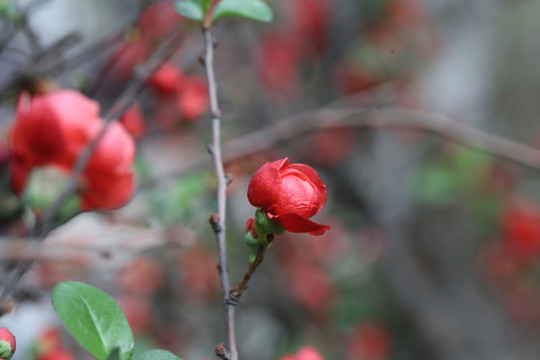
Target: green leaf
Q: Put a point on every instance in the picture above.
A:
(251, 9)
(206, 5)
(115, 354)
(94, 319)
(192, 9)
(157, 355)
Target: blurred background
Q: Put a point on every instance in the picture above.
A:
(403, 108)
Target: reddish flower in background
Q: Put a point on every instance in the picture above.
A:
(521, 228)
(290, 194)
(125, 58)
(166, 79)
(310, 19)
(141, 275)
(53, 130)
(8, 344)
(193, 99)
(158, 20)
(50, 347)
(198, 277)
(311, 286)
(369, 342)
(186, 95)
(59, 354)
(278, 65)
(133, 121)
(306, 353)
(138, 312)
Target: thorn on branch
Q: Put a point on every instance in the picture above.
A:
(228, 179)
(7, 307)
(232, 299)
(201, 60)
(214, 221)
(221, 351)
(210, 149)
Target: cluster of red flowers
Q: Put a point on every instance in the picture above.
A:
(303, 36)
(369, 341)
(139, 278)
(52, 130)
(384, 52)
(157, 21)
(304, 265)
(512, 262)
(50, 347)
(180, 96)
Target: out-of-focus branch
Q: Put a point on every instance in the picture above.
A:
(39, 230)
(218, 220)
(436, 123)
(369, 118)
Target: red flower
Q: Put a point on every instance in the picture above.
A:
(133, 121)
(158, 20)
(306, 353)
(278, 64)
(8, 344)
(166, 79)
(59, 354)
(53, 130)
(289, 194)
(141, 275)
(370, 342)
(192, 98)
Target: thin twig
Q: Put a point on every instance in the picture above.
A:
(218, 221)
(39, 230)
(238, 290)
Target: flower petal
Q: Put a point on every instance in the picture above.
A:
(108, 192)
(315, 179)
(298, 224)
(265, 187)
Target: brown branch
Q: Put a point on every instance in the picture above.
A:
(218, 220)
(39, 230)
(238, 290)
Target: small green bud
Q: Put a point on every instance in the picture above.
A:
(253, 246)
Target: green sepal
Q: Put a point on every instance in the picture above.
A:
(264, 226)
(253, 245)
(5, 350)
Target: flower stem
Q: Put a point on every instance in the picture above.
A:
(218, 220)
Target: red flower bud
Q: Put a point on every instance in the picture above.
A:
(250, 226)
(289, 194)
(53, 130)
(7, 344)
